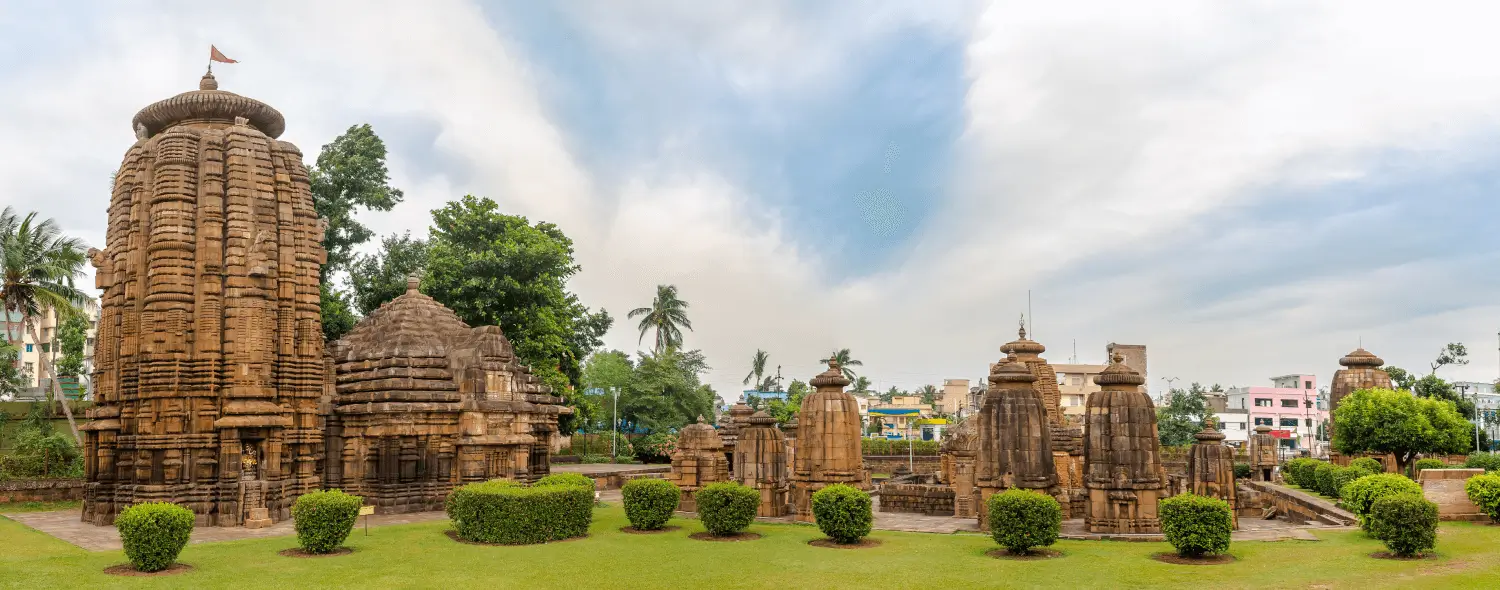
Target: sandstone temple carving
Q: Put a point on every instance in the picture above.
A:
(424, 403)
(760, 463)
(1210, 468)
(828, 449)
(1123, 471)
(1015, 449)
(698, 461)
(210, 357)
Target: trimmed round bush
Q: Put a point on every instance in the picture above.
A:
(1023, 519)
(649, 502)
(323, 519)
(1322, 480)
(843, 513)
(1299, 472)
(1484, 492)
(1370, 464)
(1406, 523)
(1196, 525)
(502, 511)
(1427, 463)
(1360, 495)
(1242, 471)
(154, 534)
(1485, 461)
(565, 479)
(727, 508)
(1343, 475)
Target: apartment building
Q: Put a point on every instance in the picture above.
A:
(1292, 406)
(32, 350)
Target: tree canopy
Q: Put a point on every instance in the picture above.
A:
(665, 391)
(1182, 416)
(377, 278)
(1400, 377)
(72, 336)
(1397, 422)
(496, 269)
(667, 316)
(1453, 354)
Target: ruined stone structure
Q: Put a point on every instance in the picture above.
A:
(1067, 458)
(789, 433)
(424, 403)
(1066, 437)
(730, 424)
(1210, 469)
(828, 448)
(760, 463)
(698, 461)
(209, 362)
(1262, 454)
(1015, 446)
(1122, 471)
(957, 468)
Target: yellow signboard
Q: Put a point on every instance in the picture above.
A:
(366, 510)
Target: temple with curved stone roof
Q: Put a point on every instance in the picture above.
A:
(424, 403)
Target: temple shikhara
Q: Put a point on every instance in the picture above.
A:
(212, 388)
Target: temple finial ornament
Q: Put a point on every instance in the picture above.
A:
(413, 283)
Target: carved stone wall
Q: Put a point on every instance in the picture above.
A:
(1067, 457)
(828, 448)
(760, 463)
(697, 462)
(1122, 464)
(209, 363)
(1015, 443)
(1210, 469)
(424, 403)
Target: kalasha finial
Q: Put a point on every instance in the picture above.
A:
(1022, 331)
(833, 361)
(413, 281)
(1117, 358)
(700, 419)
(208, 82)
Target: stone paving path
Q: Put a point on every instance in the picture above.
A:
(65, 525)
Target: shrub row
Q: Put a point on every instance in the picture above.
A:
(507, 512)
(1485, 461)
(1370, 464)
(1428, 463)
(1242, 471)
(1299, 472)
(649, 502)
(881, 446)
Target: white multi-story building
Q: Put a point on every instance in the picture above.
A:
(31, 350)
(1486, 401)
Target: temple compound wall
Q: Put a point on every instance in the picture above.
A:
(209, 364)
(424, 403)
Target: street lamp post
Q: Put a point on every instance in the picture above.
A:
(615, 426)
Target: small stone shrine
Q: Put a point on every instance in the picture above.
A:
(1262, 454)
(957, 457)
(1210, 468)
(698, 461)
(424, 403)
(1015, 447)
(209, 363)
(730, 424)
(828, 447)
(1362, 370)
(789, 433)
(1122, 460)
(760, 463)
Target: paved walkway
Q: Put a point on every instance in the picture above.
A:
(65, 525)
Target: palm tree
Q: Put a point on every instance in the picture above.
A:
(757, 368)
(39, 265)
(842, 356)
(665, 315)
(929, 394)
(861, 385)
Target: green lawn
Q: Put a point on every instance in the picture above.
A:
(421, 556)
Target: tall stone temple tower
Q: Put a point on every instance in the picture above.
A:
(1015, 446)
(1123, 473)
(828, 447)
(210, 357)
(1361, 370)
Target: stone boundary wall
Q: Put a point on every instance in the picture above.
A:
(1296, 506)
(1445, 487)
(41, 490)
(888, 463)
(932, 500)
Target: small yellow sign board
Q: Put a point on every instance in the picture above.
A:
(366, 510)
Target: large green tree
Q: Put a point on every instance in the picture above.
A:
(496, 269)
(38, 268)
(1400, 377)
(349, 175)
(667, 316)
(1182, 416)
(1397, 422)
(73, 337)
(608, 371)
(381, 277)
(1453, 354)
(666, 391)
(846, 361)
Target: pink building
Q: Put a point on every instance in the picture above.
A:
(1293, 406)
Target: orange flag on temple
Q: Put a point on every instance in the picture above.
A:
(214, 55)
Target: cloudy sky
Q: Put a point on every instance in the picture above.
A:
(1248, 188)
